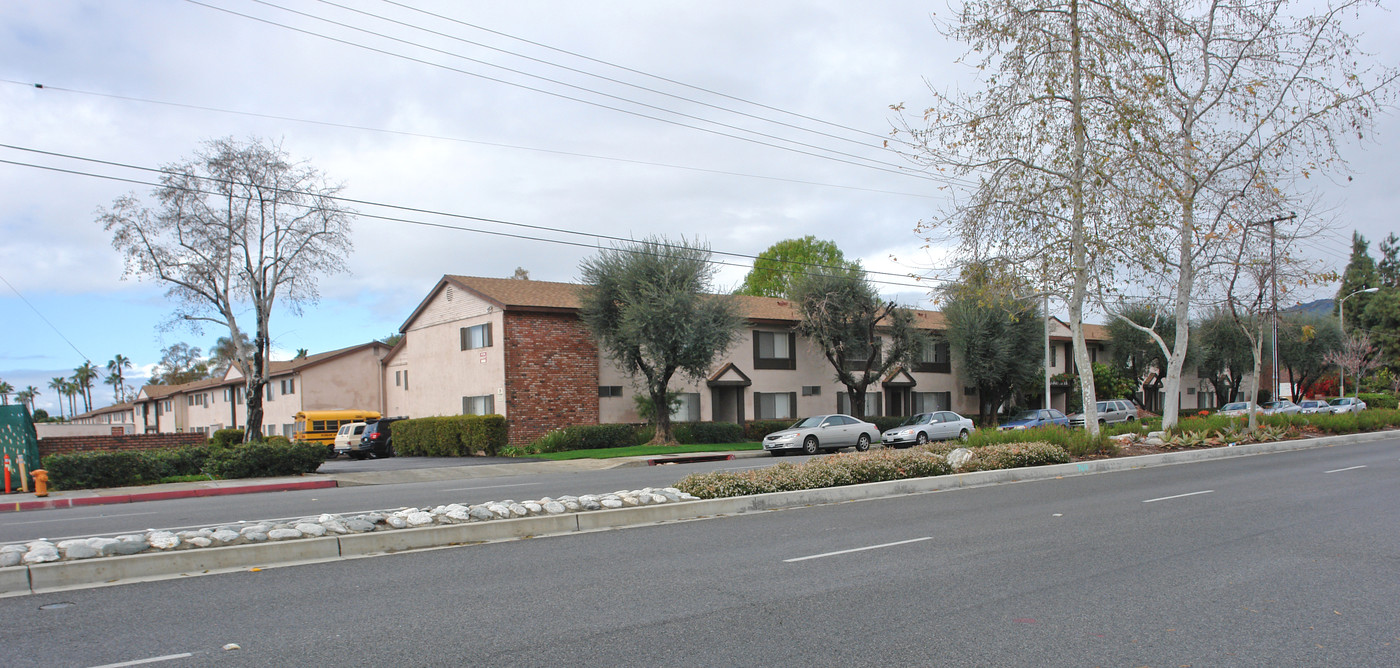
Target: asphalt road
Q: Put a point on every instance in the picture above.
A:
(61, 523)
(1284, 559)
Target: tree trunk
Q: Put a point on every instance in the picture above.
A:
(1079, 266)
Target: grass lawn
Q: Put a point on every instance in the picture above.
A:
(648, 450)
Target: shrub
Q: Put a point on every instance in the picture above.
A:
(833, 471)
(886, 423)
(224, 438)
(94, 470)
(590, 437)
(755, 430)
(450, 436)
(1379, 400)
(1077, 442)
(708, 432)
(265, 459)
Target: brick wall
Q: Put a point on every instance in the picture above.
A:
(551, 374)
(63, 445)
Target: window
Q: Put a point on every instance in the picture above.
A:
(287, 430)
(969, 391)
(689, 408)
(811, 390)
(1053, 349)
(928, 402)
(774, 405)
(228, 394)
(405, 380)
(872, 404)
(289, 386)
(857, 359)
(476, 337)
(269, 430)
(398, 378)
(609, 390)
(774, 350)
(482, 405)
(269, 392)
(238, 394)
(935, 358)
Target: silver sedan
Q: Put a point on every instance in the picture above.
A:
(822, 432)
(924, 427)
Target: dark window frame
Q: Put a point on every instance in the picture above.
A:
(788, 363)
(487, 337)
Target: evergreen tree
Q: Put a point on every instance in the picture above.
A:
(1360, 274)
(995, 338)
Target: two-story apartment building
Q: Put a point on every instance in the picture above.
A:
(346, 378)
(517, 348)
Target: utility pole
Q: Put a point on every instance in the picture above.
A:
(1273, 279)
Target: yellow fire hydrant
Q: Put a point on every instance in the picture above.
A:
(41, 482)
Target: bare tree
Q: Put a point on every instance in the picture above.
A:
(1222, 100)
(1357, 356)
(236, 229)
(1033, 138)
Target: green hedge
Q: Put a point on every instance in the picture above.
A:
(708, 432)
(1379, 400)
(95, 470)
(450, 436)
(1076, 442)
(755, 430)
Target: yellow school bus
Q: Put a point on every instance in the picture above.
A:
(321, 426)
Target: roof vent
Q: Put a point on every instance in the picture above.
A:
(449, 293)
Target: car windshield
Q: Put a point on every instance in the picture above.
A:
(1237, 406)
(1340, 402)
(1026, 415)
(808, 422)
(921, 418)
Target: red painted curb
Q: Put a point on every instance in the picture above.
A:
(161, 496)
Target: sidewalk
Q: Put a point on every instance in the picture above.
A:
(183, 490)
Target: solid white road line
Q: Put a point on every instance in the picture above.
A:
(1349, 468)
(858, 549)
(154, 659)
(473, 489)
(1164, 498)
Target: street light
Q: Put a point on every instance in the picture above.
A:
(1342, 318)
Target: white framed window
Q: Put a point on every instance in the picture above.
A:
(478, 336)
(872, 404)
(774, 405)
(606, 391)
(289, 386)
(479, 405)
(928, 402)
(689, 408)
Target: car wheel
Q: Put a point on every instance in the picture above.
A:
(863, 443)
(922, 438)
(1131, 418)
(963, 436)
(809, 446)
(1102, 422)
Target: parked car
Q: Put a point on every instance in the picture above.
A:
(1237, 409)
(1281, 407)
(348, 434)
(924, 427)
(377, 439)
(1347, 405)
(1113, 411)
(1310, 406)
(822, 432)
(1038, 417)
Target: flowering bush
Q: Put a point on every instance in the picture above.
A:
(875, 466)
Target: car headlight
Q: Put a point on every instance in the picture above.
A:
(907, 432)
(785, 438)
(1019, 426)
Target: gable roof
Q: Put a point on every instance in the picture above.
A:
(517, 294)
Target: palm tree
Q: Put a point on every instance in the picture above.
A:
(117, 366)
(302, 352)
(72, 390)
(83, 377)
(5, 390)
(23, 398)
(31, 393)
(60, 387)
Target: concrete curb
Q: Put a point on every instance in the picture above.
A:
(39, 578)
(79, 501)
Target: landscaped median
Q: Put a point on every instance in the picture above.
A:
(839, 478)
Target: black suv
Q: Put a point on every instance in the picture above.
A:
(378, 439)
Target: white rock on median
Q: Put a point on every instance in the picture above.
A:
(396, 522)
(310, 529)
(555, 508)
(163, 540)
(420, 519)
(958, 457)
(283, 534)
(40, 551)
(611, 503)
(226, 536)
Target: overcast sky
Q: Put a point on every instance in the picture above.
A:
(446, 124)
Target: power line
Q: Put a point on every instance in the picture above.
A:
(634, 71)
(879, 166)
(36, 311)
(348, 200)
(596, 75)
(419, 135)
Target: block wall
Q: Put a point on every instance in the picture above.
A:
(64, 445)
(551, 374)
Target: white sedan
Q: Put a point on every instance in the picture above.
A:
(924, 427)
(1348, 405)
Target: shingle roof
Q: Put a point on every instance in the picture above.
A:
(516, 293)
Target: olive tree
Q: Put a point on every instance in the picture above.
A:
(862, 336)
(235, 230)
(650, 308)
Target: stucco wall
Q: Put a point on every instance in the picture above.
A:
(441, 372)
